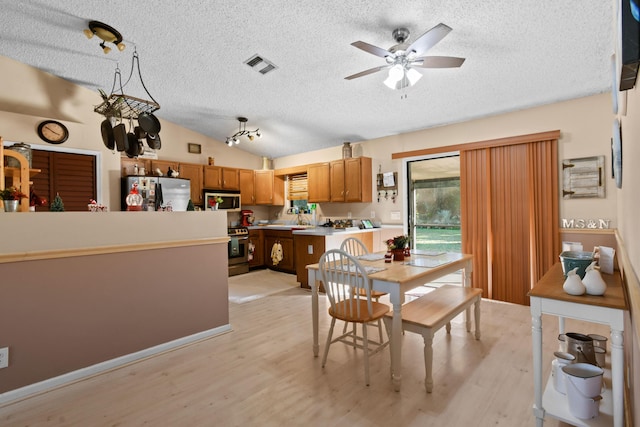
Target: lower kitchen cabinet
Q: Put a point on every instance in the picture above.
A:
(285, 238)
(310, 248)
(257, 240)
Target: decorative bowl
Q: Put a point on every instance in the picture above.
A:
(573, 259)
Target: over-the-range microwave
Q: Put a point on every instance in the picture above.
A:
(230, 201)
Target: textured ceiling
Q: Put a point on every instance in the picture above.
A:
(519, 54)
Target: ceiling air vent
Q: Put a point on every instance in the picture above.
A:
(260, 64)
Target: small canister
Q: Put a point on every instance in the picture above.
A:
(22, 148)
(559, 377)
(347, 151)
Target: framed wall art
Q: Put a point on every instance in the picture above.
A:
(194, 148)
(583, 178)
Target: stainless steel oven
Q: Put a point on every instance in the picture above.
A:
(238, 250)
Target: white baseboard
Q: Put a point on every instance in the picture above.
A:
(83, 373)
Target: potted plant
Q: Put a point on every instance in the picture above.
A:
(11, 198)
(214, 202)
(397, 246)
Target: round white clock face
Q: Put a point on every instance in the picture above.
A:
(616, 153)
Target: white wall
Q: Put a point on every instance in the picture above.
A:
(585, 126)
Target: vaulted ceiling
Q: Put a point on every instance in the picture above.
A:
(192, 54)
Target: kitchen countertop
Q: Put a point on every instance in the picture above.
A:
(308, 230)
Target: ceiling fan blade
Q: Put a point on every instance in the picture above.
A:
(429, 39)
(375, 50)
(367, 72)
(438, 62)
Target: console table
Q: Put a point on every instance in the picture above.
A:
(548, 297)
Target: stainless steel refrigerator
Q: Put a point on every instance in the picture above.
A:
(158, 192)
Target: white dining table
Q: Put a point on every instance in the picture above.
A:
(396, 278)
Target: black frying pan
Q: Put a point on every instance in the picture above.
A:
(149, 123)
(120, 135)
(107, 134)
(153, 141)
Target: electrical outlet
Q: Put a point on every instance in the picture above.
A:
(373, 214)
(4, 357)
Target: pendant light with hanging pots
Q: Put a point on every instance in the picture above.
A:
(121, 106)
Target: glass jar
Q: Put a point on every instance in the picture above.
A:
(346, 150)
(22, 148)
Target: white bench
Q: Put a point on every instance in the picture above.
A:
(431, 311)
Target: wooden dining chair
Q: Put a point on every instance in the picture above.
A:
(348, 289)
(354, 246)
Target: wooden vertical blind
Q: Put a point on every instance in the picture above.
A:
(510, 214)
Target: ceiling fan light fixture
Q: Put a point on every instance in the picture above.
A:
(390, 83)
(396, 72)
(413, 76)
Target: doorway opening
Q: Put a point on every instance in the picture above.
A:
(434, 204)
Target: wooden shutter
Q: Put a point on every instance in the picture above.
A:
(73, 176)
(298, 187)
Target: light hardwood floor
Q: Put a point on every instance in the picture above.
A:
(263, 373)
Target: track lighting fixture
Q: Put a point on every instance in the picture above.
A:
(106, 33)
(242, 131)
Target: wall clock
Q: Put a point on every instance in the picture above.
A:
(53, 132)
(616, 153)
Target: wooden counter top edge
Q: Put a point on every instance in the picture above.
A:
(101, 250)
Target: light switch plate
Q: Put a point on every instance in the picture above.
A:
(395, 215)
(4, 357)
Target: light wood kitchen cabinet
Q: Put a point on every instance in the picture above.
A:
(351, 180)
(285, 238)
(128, 165)
(318, 183)
(163, 165)
(221, 178)
(193, 172)
(247, 187)
(256, 239)
(306, 244)
(269, 188)
(317, 245)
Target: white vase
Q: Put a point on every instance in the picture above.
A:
(573, 285)
(11, 205)
(593, 281)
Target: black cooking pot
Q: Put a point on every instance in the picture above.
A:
(133, 148)
(107, 134)
(120, 136)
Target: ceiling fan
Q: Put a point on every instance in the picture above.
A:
(404, 59)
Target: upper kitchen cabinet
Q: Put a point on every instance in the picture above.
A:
(269, 188)
(221, 178)
(163, 166)
(318, 183)
(193, 172)
(247, 187)
(351, 180)
(128, 166)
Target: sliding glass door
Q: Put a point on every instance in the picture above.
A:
(434, 204)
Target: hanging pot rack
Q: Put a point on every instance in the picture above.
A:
(124, 106)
